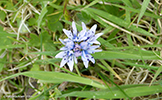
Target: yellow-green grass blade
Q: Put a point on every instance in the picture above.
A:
(57, 77)
(143, 9)
(156, 74)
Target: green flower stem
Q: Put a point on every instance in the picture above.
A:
(75, 65)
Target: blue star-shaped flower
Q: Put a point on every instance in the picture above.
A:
(79, 44)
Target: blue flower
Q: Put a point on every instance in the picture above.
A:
(79, 44)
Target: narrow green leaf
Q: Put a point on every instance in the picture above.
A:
(91, 4)
(50, 53)
(132, 54)
(60, 77)
(140, 65)
(114, 93)
(110, 69)
(156, 74)
(118, 21)
(1, 62)
(143, 9)
(12, 46)
(128, 3)
(43, 12)
(137, 11)
(98, 19)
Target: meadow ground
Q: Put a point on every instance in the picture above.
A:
(128, 67)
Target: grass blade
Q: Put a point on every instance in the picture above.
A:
(156, 74)
(56, 77)
(118, 21)
(114, 93)
(127, 3)
(143, 9)
(132, 54)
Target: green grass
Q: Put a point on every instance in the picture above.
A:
(129, 66)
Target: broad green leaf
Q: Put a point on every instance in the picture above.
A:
(5, 34)
(35, 67)
(83, 17)
(45, 36)
(59, 77)
(143, 9)
(115, 93)
(32, 21)
(53, 22)
(34, 40)
(50, 46)
(55, 26)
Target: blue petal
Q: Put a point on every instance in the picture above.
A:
(69, 53)
(61, 54)
(91, 58)
(93, 29)
(94, 42)
(84, 26)
(70, 45)
(94, 46)
(84, 45)
(97, 50)
(67, 40)
(70, 63)
(98, 35)
(63, 48)
(74, 28)
(86, 63)
(84, 59)
(64, 61)
(68, 33)
(82, 36)
(83, 56)
(62, 41)
(93, 51)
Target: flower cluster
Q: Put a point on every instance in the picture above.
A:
(79, 44)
